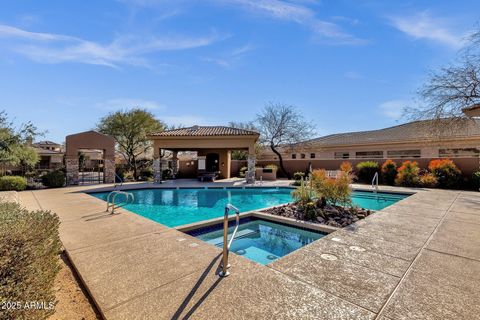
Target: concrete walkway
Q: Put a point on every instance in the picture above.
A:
(417, 259)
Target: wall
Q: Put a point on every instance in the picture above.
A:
(467, 165)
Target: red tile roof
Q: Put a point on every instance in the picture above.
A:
(196, 131)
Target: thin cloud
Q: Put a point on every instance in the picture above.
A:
(129, 103)
(297, 13)
(58, 48)
(393, 109)
(424, 26)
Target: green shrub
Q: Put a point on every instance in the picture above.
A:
(447, 173)
(12, 183)
(29, 248)
(366, 170)
(242, 172)
(303, 194)
(475, 180)
(298, 176)
(54, 179)
(407, 175)
(146, 173)
(272, 166)
(389, 172)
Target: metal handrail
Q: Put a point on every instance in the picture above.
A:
(113, 195)
(375, 182)
(227, 243)
(116, 184)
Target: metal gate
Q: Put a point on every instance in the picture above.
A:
(91, 172)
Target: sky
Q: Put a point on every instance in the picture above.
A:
(346, 65)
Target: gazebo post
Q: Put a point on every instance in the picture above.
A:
(251, 162)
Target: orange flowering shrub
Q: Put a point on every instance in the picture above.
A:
(389, 172)
(407, 175)
(428, 180)
(334, 191)
(346, 167)
(447, 173)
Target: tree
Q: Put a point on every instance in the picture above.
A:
(130, 129)
(14, 142)
(451, 89)
(243, 154)
(281, 126)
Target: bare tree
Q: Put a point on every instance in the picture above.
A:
(281, 126)
(451, 89)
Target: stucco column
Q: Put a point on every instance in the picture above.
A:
(157, 172)
(109, 169)
(175, 163)
(71, 168)
(250, 174)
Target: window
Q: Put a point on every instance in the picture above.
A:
(294, 156)
(302, 155)
(342, 155)
(398, 154)
(459, 153)
(369, 155)
(312, 155)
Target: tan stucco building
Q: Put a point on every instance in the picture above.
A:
(213, 145)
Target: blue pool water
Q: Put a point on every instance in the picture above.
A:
(261, 241)
(176, 207)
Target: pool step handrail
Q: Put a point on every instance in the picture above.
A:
(227, 243)
(113, 195)
(375, 182)
(117, 184)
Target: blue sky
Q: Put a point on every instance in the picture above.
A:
(346, 64)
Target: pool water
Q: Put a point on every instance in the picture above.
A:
(259, 240)
(376, 201)
(176, 207)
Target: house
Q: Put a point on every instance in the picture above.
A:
(50, 155)
(410, 141)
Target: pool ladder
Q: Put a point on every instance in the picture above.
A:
(227, 243)
(375, 183)
(113, 195)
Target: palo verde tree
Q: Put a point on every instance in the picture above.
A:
(282, 126)
(14, 142)
(451, 89)
(130, 129)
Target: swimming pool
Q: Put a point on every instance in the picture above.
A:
(260, 240)
(176, 207)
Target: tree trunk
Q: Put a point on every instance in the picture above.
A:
(280, 159)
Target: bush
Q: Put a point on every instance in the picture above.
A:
(243, 172)
(54, 179)
(29, 248)
(407, 175)
(13, 183)
(146, 173)
(476, 180)
(303, 194)
(272, 167)
(298, 175)
(389, 172)
(447, 173)
(334, 191)
(428, 180)
(346, 167)
(366, 170)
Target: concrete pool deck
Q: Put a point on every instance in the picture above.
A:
(417, 259)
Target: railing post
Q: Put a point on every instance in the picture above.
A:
(224, 272)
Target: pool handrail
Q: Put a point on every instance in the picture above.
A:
(112, 196)
(375, 182)
(116, 184)
(227, 243)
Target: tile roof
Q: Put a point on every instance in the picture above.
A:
(47, 142)
(196, 131)
(412, 131)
